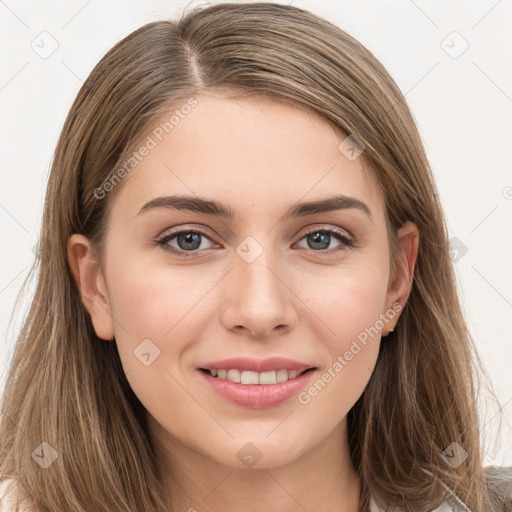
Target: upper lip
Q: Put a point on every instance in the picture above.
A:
(257, 365)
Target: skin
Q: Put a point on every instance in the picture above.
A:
(258, 156)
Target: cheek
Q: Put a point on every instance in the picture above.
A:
(157, 318)
(348, 301)
(158, 310)
(144, 306)
(350, 305)
(154, 300)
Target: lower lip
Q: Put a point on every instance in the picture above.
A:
(257, 396)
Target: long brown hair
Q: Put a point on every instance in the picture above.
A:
(66, 387)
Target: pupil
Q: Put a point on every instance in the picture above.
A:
(322, 238)
(189, 238)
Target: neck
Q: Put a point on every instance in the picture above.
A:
(321, 479)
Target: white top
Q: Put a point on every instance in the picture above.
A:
(444, 507)
(8, 495)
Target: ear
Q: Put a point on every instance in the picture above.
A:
(91, 284)
(400, 283)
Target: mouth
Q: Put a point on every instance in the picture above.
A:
(254, 383)
(251, 378)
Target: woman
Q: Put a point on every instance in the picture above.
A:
(189, 345)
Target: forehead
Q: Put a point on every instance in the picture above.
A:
(245, 152)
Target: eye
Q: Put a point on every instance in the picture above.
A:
(188, 240)
(320, 239)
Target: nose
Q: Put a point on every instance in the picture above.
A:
(259, 298)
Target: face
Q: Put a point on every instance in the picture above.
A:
(185, 290)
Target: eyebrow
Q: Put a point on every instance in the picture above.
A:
(211, 207)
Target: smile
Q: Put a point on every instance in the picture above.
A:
(252, 378)
(257, 395)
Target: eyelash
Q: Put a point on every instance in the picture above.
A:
(346, 243)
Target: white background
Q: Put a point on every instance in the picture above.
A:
(463, 107)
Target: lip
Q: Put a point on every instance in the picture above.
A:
(257, 365)
(257, 396)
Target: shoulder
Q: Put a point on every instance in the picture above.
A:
(499, 483)
(500, 478)
(8, 495)
(444, 507)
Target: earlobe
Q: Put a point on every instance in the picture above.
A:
(91, 285)
(401, 283)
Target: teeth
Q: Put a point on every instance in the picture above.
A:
(268, 377)
(247, 377)
(282, 375)
(233, 375)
